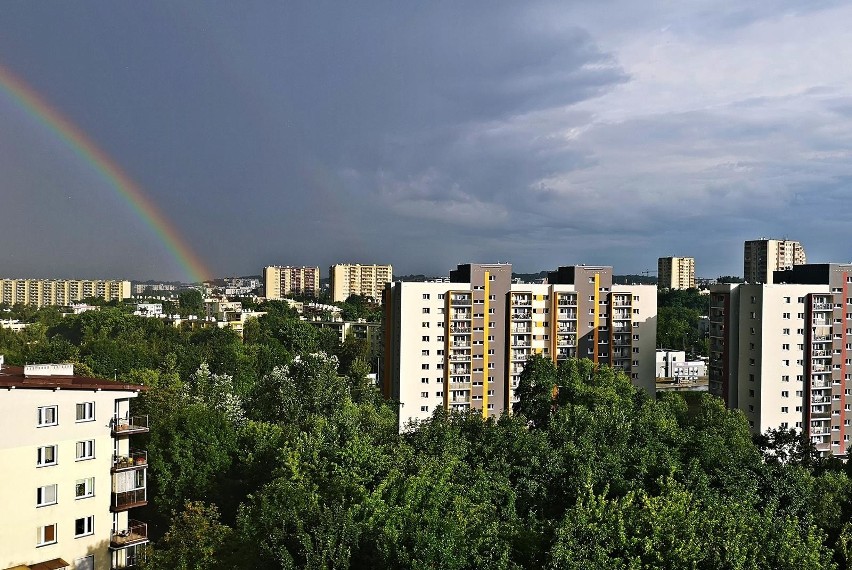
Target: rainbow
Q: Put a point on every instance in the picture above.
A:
(86, 149)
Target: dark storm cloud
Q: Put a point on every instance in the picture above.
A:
(426, 134)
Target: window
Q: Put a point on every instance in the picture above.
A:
(46, 495)
(784, 409)
(785, 315)
(491, 278)
(786, 331)
(425, 324)
(424, 353)
(424, 394)
(425, 310)
(439, 339)
(424, 367)
(785, 347)
(84, 526)
(786, 299)
(784, 362)
(46, 535)
(424, 408)
(439, 394)
(785, 378)
(425, 295)
(48, 416)
(785, 394)
(84, 488)
(424, 380)
(86, 412)
(424, 338)
(86, 449)
(46, 456)
(440, 295)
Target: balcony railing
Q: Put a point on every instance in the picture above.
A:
(135, 533)
(129, 425)
(129, 499)
(135, 460)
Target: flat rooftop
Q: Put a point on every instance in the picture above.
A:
(13, 377)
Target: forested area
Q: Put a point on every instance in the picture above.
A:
(277, 452)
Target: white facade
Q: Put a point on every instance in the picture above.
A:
(65, 472)
(435, 358)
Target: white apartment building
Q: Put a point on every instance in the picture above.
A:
(355, 279)
(69, 472)
(463, 344)
(762, 257)
(676, 273)
(778, 352)
(41, 292)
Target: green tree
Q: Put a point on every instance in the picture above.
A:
(196, 540)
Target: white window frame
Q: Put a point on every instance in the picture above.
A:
(85, 450)
(43, 492)
(88, 526)
(41, 539)
(42, 416)
(88, 412)
(88, 487)
(41, 456)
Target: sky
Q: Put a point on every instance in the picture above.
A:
(426, 134)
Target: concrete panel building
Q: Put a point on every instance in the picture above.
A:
(367, 280)
(41, 292)
(282, 280)
(463, 344)
(764, 256)
(778, 352)
(676, 273)
(70, 474)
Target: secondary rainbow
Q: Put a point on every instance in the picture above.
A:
(86, 149)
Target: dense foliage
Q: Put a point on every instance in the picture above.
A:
(273, 453)
(678, 314)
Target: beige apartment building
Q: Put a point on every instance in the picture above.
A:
(463, 344)
(676, 273)
(764, 256)
(779, 352)
(41, 292)
(283, 280)
(368, 280)
(70, 474)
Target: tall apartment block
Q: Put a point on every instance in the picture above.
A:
(463, 344)
(676, 273)
(282, 280)
(41, 292)
(367, 280)
(762, 257)
(70, 474)
(782, 353)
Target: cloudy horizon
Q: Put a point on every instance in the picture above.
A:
(540, 133)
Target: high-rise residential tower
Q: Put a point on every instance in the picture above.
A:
(463, 344)
(355, 279)
(676, 273)
(283, 280)
(762, 257)
(780, 352)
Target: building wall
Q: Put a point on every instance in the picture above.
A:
(41, 292)
(355, 279)
(19, 440)
(676, 273)
(477, 332)
(764, 256)
(281, 281)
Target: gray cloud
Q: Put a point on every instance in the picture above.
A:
(431, 134)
